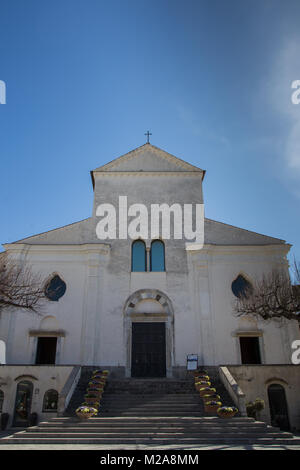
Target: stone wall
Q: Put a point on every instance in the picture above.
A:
(43, 378)
(254, 381)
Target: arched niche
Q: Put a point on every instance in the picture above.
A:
(49, 323)
(149, 305)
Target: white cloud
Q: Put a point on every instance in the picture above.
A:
(285, 70)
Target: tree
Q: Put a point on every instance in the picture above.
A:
(19, 286)
(272, 297)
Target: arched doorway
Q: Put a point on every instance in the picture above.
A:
(23, 403)
(278, 407)
(149, 331)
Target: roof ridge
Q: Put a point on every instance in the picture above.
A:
(245, 229)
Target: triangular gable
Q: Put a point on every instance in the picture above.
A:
(216, 233)
(147, 158)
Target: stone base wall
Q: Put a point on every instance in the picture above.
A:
(254, 381)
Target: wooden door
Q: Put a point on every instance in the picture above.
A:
(148, 349)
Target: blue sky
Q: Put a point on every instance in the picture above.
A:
(211, 79)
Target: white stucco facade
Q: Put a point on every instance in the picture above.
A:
(193, 297)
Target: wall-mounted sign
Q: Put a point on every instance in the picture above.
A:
(192, 361)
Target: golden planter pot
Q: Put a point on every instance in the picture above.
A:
(84, 416)
(211, 408)
(208, 392)
(226, 415)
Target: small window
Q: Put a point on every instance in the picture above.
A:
(1, 400)
(157, 256)
(241, 287)
(46, 350)
(55, 288)
(138, 256)
(250, 351)
(50, 401)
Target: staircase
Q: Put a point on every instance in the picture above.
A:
(156, 412)
(152, 430)
(147, 397)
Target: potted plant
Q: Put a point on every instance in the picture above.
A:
(202, 384)
(207, 391)
(96, 405)
(212, 406)
(94, 392)
(91, 398)
(202, 377)
(253, 408)
(85, 412)
(98, 376)
(96, 385)
(214, 397)
(227, 411)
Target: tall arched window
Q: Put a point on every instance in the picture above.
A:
(138, 256)
(241, 287)
(157, 256)
(50, 401)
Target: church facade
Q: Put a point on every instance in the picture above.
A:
(140, 306)
(189, 293)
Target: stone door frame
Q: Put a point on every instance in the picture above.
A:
(167, 316)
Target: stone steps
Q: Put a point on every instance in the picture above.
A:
(152, 431)
(158, 429)
(160, 412)
(142, 435)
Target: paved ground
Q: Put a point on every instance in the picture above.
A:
(148, 448)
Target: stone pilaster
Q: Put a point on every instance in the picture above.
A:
(96, 259)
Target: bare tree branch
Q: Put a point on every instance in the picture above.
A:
(19, 286)
(272, 297)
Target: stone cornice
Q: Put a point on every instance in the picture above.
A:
(212, 250)
(98, 248)
(149, 173)
(250, 333)
(45, 333)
